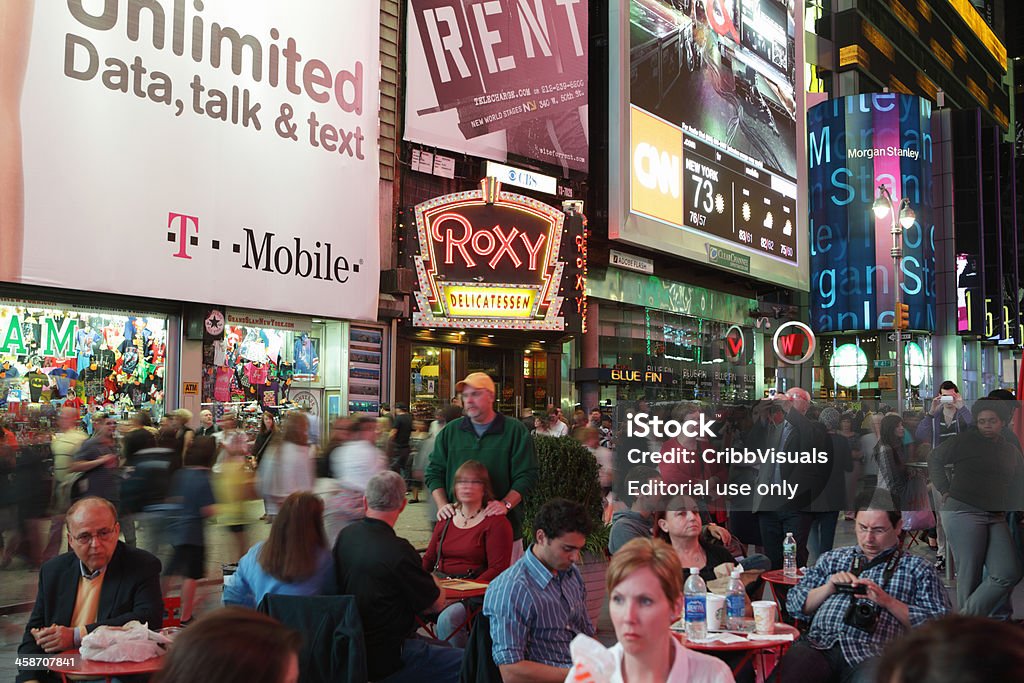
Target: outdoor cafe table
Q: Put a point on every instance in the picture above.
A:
(749, 648)
(105, 670)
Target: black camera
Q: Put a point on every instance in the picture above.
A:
(862, 614)
(850, 589)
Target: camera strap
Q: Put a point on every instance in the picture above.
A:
(891, 563)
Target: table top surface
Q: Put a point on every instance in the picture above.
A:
(455, 592)
(716, 646)
(777, 576)
(91, 667)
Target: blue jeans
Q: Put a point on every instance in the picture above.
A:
(424, 661)
(823, 534)
(453, 617)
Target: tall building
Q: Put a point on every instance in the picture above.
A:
(944, 67)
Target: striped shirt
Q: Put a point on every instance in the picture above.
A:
(535, 614)
(914, 583)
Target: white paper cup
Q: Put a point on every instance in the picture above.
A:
(764, 616)
(716, 611)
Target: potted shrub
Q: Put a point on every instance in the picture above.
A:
(569, 470)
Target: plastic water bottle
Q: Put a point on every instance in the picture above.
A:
(789, 556)
(735, 602)
(695, 602)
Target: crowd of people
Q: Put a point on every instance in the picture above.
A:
(951, 475)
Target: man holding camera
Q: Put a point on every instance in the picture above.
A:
(858, 599)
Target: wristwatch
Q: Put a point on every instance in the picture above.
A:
(508, 505)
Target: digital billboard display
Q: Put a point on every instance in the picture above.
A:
(855, 144)
(710, 145)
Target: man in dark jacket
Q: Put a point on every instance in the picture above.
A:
(386, 575)
(102, 582)
(779, 514)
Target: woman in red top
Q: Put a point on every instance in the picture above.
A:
(696, 471)
(468, 545)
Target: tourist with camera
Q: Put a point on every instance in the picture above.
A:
(858, 599)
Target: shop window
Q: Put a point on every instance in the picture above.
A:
(431, 380)
(690, 351)
(53, 357)
(256, 368)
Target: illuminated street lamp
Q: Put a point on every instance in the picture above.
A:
(882, 207)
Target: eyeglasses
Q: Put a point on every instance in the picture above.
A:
(474, 482)
(86, 539)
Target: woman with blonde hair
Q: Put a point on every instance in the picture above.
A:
(294, 560)
(645, 592)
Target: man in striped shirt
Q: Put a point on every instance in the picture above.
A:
(538, 605)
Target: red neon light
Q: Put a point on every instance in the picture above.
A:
(792, 344)
(483, 242)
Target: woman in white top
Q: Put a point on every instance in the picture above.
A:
(353, 464)
(645, 597)
(288, 464)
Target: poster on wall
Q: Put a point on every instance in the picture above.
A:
(364, 370)
(215, 149)
(497, 77)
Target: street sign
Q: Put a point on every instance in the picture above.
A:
(883, 363)
(905, 336)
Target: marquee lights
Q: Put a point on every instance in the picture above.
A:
(489, 259)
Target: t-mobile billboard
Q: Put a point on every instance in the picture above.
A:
(856, 144)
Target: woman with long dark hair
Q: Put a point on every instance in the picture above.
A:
(294, 560)
(268, 429)
(889, 456)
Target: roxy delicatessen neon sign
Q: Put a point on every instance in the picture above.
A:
(489, 259)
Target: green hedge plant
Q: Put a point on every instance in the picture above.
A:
(567, 470)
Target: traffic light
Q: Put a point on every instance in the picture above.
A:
(902, 321)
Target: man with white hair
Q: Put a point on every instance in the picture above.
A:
(207, 427)
(385, 574)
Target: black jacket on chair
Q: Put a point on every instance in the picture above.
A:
(478, 663)
(333, 649)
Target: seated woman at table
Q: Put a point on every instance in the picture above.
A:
(645, 597)
(681, 526)
(469, 545)
(233, 645)
(294, 560)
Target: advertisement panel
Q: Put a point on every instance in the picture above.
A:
(497, 77)
(712, 140)
(855, 144)
(209, 151)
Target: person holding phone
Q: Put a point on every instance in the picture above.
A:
(946, 417)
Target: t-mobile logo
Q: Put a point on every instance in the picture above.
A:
(184, 222)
